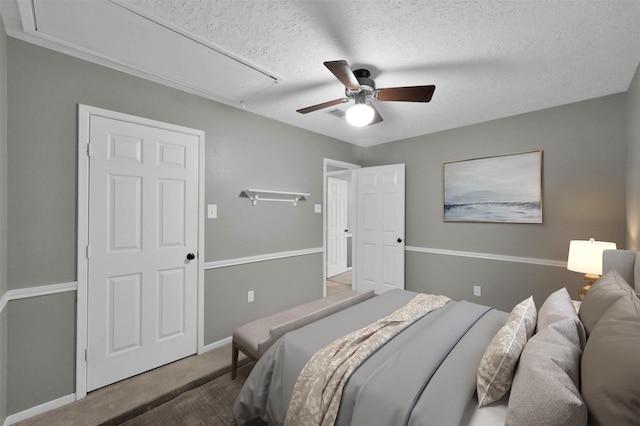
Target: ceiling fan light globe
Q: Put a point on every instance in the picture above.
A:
(360, 115)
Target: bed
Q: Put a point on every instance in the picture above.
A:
(533, 365)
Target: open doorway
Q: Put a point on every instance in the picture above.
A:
(377, 216)
(338, 226)
(339, 232)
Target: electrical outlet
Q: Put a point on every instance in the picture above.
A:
(477, 290)
(250, 296)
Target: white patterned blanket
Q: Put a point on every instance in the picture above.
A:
(318, 390)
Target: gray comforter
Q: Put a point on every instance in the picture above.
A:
(425, 375)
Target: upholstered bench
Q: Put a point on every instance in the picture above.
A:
(254, 338)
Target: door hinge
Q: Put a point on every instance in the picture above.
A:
(86, 355)
(88, 252)
(89, 149)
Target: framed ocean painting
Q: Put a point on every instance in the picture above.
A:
(505, 188)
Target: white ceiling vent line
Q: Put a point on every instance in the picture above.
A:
(112, 32)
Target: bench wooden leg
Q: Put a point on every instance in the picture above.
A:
(234, 360)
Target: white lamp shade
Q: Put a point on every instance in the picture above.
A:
(586, 256)
(360, 115)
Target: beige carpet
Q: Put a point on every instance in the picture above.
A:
(126, 399)
(209, 404)
(339, 283)
(343, 278)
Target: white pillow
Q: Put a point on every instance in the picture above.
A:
(497, 366)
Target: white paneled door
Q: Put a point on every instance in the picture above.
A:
(380, 228)
(142, 283)
(336, 226)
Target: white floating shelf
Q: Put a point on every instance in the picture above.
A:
(256, 195)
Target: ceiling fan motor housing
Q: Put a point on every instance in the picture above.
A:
(367, 86)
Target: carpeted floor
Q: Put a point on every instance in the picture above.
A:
(208, 404)
(339, 283)
(125, 400)
(343, 278)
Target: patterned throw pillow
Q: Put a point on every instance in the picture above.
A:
(497, 366)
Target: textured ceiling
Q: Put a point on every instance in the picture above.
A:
(488, 59)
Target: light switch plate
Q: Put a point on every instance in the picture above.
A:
(317, 208)
(212, 211)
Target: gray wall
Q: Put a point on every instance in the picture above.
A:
(226, 306)
(41, 353)
(584, 179)
(3, 219)
(584, 146)
(242, 151)
(633, 163)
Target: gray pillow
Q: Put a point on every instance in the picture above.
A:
(610, 370)
(545, 385)
(603, 293)
(558, 307)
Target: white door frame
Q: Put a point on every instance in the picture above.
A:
(348, 168)
(339, 217)
(84, 114)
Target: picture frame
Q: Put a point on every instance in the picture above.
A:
(504, 188)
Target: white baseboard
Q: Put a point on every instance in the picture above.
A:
(39, 409)
(217, 344)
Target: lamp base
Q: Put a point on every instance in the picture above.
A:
(590, 279)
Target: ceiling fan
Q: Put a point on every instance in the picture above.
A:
(362, 89)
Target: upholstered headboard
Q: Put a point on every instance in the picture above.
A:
(626, 263)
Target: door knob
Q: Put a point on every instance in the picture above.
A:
(399, 240)
(191, 256)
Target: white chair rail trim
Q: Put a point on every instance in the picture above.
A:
(489, 256)
(3, 301)
(260, 258)
(73, 286)
(43, 290)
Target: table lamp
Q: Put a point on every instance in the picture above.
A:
(586, 257)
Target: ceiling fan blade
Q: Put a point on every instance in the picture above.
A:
(377, 118)
(406, 94)
(343, 72)
(322, 105)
